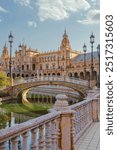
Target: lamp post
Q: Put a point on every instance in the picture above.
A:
(20, 63)
(10, 37)
(98, 51)
(84, 49)
(92, 38)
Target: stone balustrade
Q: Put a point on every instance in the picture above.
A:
(86, 112)
(58, 130)
(44, 133)
(51, 78)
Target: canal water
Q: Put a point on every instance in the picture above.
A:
(11, 120)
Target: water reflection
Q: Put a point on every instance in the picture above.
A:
(8, 120)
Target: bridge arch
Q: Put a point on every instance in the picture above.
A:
(77, 84)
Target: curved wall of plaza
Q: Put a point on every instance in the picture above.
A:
(63, 61)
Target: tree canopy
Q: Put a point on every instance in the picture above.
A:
(4, 80)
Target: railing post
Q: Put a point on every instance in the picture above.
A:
(25, 140)
(41, 137)
(34, 139)
(95, 110)
(3, 146)
(66, 123)
(15, 143)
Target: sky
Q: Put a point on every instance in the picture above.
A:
(40, 24)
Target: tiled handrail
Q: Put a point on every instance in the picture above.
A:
(44, 133)
(51, 78)
(84, 115)
(54, 131)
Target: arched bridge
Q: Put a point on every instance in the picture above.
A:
(22, 84)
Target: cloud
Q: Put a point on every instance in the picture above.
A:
(0, 20)
(23, 2)
(32, 24)
(2, 9)
(63, 9)
(92, 17)
(58, 10)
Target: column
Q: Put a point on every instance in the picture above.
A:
(34, 139)
(95, 110)
(41, 138)
(66, 122)
(54, 136)
(48, 136)
(3, 146)
(15, 143)
(25, 140)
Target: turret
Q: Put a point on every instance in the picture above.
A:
(65, 43)
(5, 53)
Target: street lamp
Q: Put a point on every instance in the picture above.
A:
(10, 37)
(92, 38)
(20, 63)
(98, 51)
(84, 49)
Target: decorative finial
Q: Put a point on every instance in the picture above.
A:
(65, 33)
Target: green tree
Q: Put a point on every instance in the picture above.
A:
(3, 120)
(4, 80)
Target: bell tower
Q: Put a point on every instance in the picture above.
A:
(65, 43)
(5, 53)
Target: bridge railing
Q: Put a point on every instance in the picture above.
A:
(86, 112)
(52, 78)
(43, 133)
(58, 130)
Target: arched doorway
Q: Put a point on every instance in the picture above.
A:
(95, 75)
(27, 75)
(53, 74)
(81, 75)
(13, 75)
(58, 74)
(18, 75)
(76, 75)
(87, 75)
(8, 74)
(70, 74)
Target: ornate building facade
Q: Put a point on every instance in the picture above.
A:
(29, 62)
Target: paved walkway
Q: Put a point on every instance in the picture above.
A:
(90, 140)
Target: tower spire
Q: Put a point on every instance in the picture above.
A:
(5, 52)
(65, 33)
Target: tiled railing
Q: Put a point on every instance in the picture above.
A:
(86, 112)
(43, 131)
(58, 130)
(51, 78)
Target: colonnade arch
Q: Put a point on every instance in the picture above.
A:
(75, 74)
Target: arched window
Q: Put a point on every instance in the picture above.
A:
(40, 67)
(22, 67)
(27, 67)
(33, 66)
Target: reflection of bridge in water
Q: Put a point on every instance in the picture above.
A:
(47, 94)
(62, 129)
